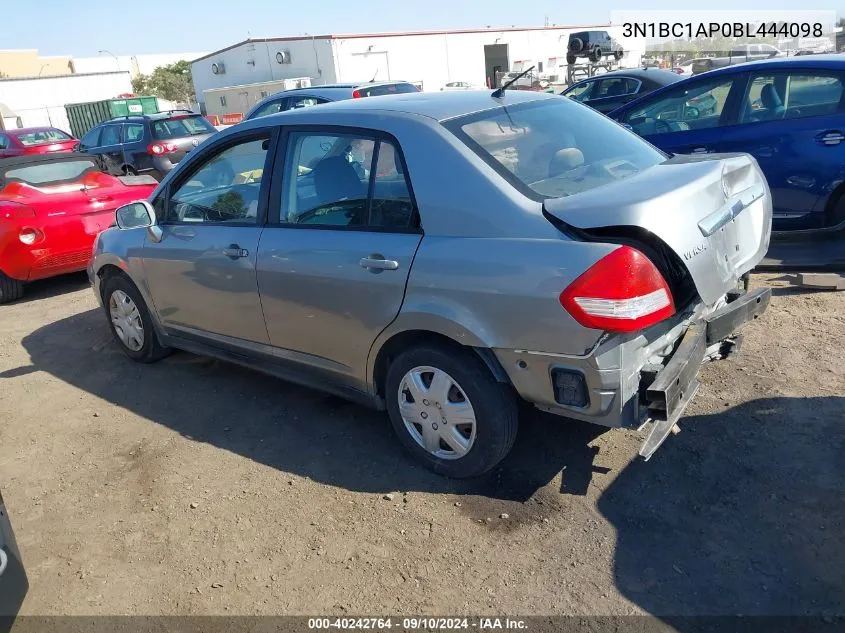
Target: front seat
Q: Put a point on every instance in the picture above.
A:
(335, 180)
(770, 99)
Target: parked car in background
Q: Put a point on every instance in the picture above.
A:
(315, 95)
(738, 55)
(789, 113)
(13, 581)
(593, 45)
(34, 140)
(148, 144)
(461, 85)
(51, 208)
(610, 90)
(532, 258)
(684, 68)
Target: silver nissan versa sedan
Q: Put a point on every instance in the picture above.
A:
(442, 256)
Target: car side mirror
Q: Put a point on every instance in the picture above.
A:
(138, 215)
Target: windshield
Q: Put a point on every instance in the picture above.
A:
(387, 89)
(178, 127)
(554, 148)
(48, 173)
(42, 137)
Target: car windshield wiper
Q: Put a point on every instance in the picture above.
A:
(500, 92)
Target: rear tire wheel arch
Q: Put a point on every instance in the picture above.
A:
(494, 404)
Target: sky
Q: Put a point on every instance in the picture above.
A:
(83, 27)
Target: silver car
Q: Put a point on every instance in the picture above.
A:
(442, 256)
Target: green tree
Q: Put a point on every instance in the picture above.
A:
(172, 82)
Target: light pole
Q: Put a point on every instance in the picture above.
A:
(116, 60)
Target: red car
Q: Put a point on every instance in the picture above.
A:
(51, 208)
(34, 140)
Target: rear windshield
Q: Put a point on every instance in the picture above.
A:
(42, 174)
(42, 137)
(181, 126)
(387, 89)
(554, 148)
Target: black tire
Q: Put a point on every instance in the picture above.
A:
(151, 350)
(618, 55)
(836, 215)
(10, 289)
(571, 59)
(129, 171)
(494, 405)
(595, 54)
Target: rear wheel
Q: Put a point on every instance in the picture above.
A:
(617, 55)
(449, 412)
(10, 289)
(130, 321)
(595, 54)
(129, 171)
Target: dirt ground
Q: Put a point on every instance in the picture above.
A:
(196, 487)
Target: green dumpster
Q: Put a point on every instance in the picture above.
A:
(83, 116)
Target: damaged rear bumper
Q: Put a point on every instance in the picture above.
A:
(668, 391)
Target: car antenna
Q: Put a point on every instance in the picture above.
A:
(500, 92)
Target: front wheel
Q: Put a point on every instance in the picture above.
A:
(130, 321)
(571, 59)
(449, 412)
(617, 55)
(595, 54)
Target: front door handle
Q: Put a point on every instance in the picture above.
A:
(377, 263)
(234, 252)
(700, 150)
(833, 137)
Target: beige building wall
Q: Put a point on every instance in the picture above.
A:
(27, 63)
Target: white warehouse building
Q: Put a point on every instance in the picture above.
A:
(428, 58)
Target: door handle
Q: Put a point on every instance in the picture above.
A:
(234, 252)
(833, 137)
(377, 263)
(700, 150)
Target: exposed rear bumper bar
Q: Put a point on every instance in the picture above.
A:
(676, 383)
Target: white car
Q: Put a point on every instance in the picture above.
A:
(460, 85)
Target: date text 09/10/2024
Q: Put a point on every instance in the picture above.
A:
(421, 623)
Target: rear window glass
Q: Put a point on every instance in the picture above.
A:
(48, 173)
(178, 127)
(387, 89)
(554, 147)
(42, 137)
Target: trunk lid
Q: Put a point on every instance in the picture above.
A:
(184, 146)
(713, 212)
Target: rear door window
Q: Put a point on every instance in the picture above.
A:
(345, 181)
(615, 87)
(792, 96)
(91, 138)
(133, 132)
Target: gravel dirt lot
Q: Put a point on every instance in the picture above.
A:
(196, 487)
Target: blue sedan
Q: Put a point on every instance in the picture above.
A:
(789, 113)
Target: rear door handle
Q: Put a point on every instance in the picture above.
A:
(832, 137)
(234, 252)
(376, 263)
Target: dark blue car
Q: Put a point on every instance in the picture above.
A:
(789, 113)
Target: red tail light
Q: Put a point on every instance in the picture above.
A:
(157, 149)
(622, 292)
(15, 211)
(356, 94)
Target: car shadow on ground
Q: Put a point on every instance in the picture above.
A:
(291, 428)
(742, 513)
(53, 287)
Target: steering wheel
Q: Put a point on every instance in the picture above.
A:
(691, 112)
(662, 126)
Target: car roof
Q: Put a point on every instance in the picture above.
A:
(436, 105)
(830, 61)
(663, 77)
